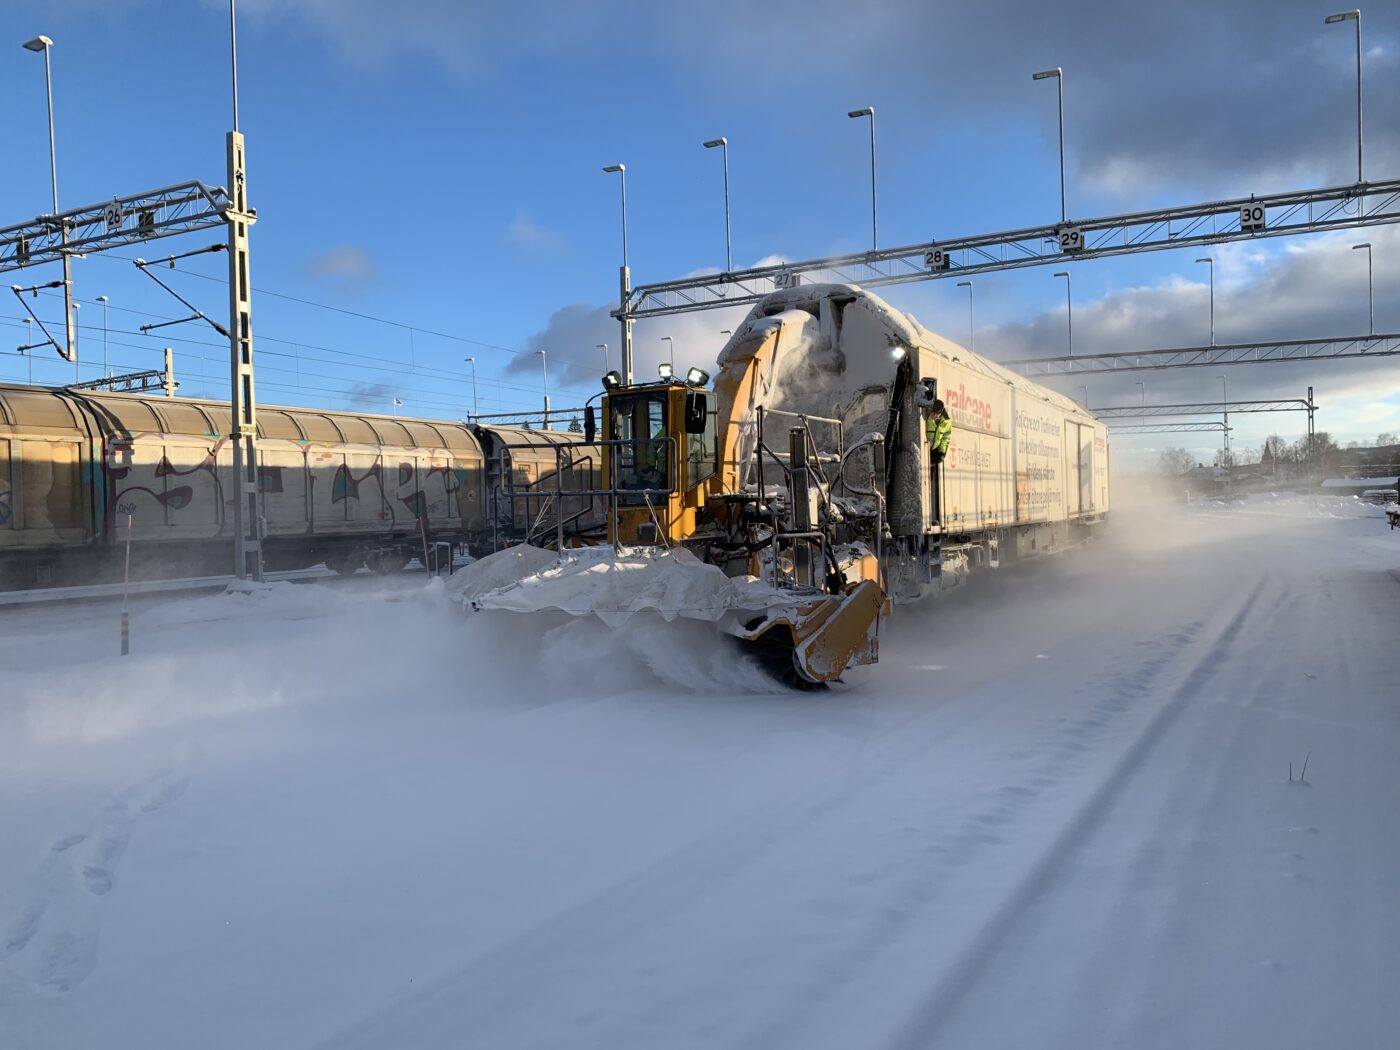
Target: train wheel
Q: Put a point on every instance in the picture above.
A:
(345, 564)
(387, 562)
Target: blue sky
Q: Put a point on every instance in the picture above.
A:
(435, 163)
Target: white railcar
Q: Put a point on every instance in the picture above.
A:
(1026, 469)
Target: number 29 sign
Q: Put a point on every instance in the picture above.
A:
(1071, 239)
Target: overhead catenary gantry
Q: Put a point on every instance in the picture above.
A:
(1201, 356)
(186, 207)
(1206, 408)
(1212, 427)
(1218, 222)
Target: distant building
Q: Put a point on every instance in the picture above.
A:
(1356, 486)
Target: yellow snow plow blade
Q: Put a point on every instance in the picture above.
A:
(825, 635)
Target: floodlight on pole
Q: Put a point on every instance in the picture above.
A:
(103, 300)
(971, 317)
(1069, 310)
(1370, 285)
(1353, 16)
(1225, 404)
(624, 278)
(1210, 261)
(41, 45)
(621, 170)
(544, 375)
(476, 405)
(1058, 75)
(723, 144)
(869, 111)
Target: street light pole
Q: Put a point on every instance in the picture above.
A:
(29, 343)
(544, 372)
(1370, 285)
(1059, 76)
(1069, 309)
(869, 111)
(723, 144)
(603, 347)
(1353, 16)
(1143, 387)
(476, 405)
(103, 300)
(77, 372)
(70, 348)
(1086, 395)
(621, 170)
(1229, 467)
(971, 317)
(670, 350)
(624, 280)
(1210, 261)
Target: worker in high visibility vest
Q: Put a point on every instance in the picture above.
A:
(939, 430)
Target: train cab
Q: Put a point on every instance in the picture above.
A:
(662, 456)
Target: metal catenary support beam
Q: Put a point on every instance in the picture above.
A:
(1206, 408)
(1219, 222)
(247, 511)
(1200, 356)
(1168, 428)
(535, 416)
(133, 382)
(122, 221)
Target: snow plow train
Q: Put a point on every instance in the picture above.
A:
(796, 501)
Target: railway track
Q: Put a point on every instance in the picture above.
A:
(101, 592)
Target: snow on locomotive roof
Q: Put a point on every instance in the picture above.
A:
(903, 329)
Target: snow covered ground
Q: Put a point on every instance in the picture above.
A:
(1058, 814)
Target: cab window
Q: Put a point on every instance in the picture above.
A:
(643, 456)
(702, 451)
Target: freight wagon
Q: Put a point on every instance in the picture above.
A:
(80, 471)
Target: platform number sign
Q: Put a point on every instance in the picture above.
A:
(1251, 217)
(1071, 239)
(113, 215)
(936, 259)
(785, 279)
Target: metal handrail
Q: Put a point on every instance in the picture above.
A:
(508, 489)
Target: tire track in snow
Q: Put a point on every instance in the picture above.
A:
(653, 894)
(1272, 855)
(922, 1028)
(979, 829)
(486, 992)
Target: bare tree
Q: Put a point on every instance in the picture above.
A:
(1175, 461)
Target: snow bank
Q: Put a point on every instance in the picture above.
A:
(614, 586)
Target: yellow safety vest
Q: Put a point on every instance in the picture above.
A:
(940, 432)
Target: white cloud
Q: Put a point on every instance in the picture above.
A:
(1250, 94)
(348, 265)
(573, 332)
(527, 233)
